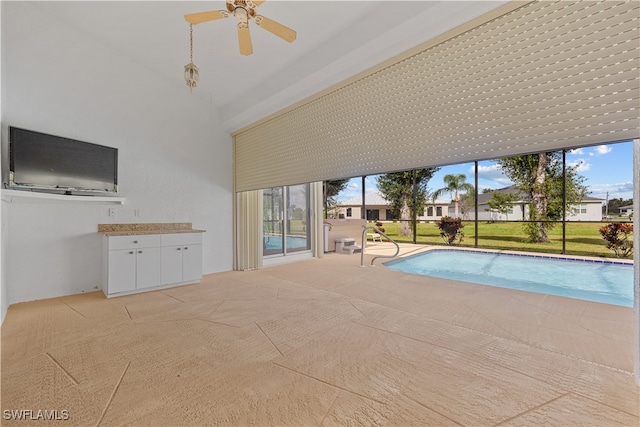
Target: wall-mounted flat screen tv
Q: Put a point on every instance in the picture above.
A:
(42, 162)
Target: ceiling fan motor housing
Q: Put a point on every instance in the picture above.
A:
(233, 7)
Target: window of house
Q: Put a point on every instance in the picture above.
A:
(579, 209)
(348, 212)
(430, 211)
(438, 210)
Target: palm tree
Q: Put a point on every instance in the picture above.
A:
(455, 184)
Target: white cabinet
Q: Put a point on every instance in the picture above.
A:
(121, 271)
(131, 263)
(147, 271)
(181, 258)
(143, 262)
(192, 263)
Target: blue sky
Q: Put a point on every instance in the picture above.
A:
(607, 169)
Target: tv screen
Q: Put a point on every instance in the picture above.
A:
(46, 162)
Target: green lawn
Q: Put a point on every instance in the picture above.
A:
(582, 238)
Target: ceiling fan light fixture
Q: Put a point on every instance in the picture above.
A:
(242, 15)
(191, 75)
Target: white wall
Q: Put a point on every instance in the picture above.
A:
(3, 211)
(4, 301)
(175, 162)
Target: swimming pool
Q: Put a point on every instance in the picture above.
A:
(273, 242)
(608, 282)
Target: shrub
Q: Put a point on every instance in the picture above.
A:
(451, 229)
(379, 226)
(618, 237)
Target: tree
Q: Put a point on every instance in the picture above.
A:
(331, 189)
(455, 184)
(397, 188)
(539, 177)
(502, 202)
(467, 204)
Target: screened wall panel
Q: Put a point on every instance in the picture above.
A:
(545, 76)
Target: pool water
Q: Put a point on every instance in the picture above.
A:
(600, 281)
(274, 242)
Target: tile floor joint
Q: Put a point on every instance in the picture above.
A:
(68, 374)
(113, 394)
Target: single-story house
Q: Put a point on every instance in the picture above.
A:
(589, 208)
(626, 210)
(378, 208)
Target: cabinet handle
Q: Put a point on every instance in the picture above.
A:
(179, 248)
(131, 253)
(185, 248)
(139, 252)
(135, 241)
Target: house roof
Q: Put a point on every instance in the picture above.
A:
(374, 198)
(371, 199)
(484, 197)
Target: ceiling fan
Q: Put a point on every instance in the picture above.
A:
(244, 11)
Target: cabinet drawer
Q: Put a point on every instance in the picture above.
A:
(134, 241)
(179, 239)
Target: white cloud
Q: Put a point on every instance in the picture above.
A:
(621, 190)
(601, 150)
(582, 165)
(493, 170)
(492, 173)
(352, 186)
(577, 151)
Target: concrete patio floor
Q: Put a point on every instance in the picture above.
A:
(322, 342)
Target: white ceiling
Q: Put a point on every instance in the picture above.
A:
(336, 39)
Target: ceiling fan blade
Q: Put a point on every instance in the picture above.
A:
(254, 3)
(197, 18)
(273, 27)
(244, 38)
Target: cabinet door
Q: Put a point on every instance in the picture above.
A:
(191, 263)
(148, 267)
(122, 271)
(171, 264)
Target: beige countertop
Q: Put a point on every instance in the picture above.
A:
(146, 228)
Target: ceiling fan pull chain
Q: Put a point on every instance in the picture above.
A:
(191, 72)
(191, 42)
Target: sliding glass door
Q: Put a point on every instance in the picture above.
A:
(286, 219)
(297, 223)
(272, 221)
